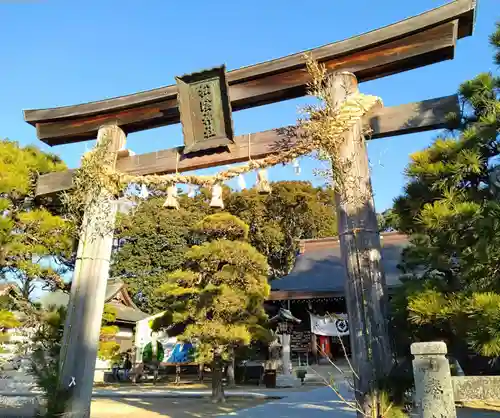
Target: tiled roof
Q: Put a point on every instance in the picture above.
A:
(112, 288)
(319, 267)
(128, 314)
(124, 313)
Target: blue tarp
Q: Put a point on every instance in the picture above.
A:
(182, 353)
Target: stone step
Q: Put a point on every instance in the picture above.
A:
(287, 381)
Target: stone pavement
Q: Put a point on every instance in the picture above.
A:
(306, 401)
(316, 403)
(325, 403)
(166, 393)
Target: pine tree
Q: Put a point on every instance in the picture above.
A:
(216, 300)
(35, 242)
(154, 239)
(451, 209)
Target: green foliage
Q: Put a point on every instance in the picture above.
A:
(108, 349)
(388, 409)
(293, 210)
(218, 297)
(495, 41)
(451, 209)
(388, 221)
(109, 314)
(45, 347)
(154, 239)
(474, 317)
(8, 320)
(222, 225)
(30, 233)
(19, 165)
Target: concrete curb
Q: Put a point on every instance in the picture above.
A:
(160, 394)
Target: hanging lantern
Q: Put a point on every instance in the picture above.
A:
(241, 182)
(262, 184)
(217, 201)
(296, 167)
(191, 191)
(144, 193)
(171, 201)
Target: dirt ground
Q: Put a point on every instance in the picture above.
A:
(150, 408)
(167, 408)
(197, 386)
(161, 385)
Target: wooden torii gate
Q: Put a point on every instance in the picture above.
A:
(415, 42)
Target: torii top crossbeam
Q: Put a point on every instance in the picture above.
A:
(411, 43)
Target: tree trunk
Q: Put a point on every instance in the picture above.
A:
(230, 371)
(201, 372)
(217, 387)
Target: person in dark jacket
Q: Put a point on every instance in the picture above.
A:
(127, 366)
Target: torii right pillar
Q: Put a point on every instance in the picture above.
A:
(365, 291)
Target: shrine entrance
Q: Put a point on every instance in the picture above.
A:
(203, 102)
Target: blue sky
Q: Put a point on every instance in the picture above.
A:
(57, 53)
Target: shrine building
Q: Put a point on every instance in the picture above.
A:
(117, 296)
(316, 286)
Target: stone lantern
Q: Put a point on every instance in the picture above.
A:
(284, 322)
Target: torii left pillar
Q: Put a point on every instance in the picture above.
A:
(88, 289)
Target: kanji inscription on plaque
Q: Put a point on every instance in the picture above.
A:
(205, 110)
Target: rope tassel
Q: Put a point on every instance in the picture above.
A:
(171, 201)
(262, 184)
(217, 201)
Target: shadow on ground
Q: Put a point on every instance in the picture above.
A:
(168, 408)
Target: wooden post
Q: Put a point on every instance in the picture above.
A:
(88, 290)
(314, 347)
(365, 292)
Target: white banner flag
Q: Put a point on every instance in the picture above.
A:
(334, 325)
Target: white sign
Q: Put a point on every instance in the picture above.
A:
(334, 325)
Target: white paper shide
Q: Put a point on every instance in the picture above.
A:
(331, 325)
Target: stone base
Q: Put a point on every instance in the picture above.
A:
(287, 381)
(313, 378)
